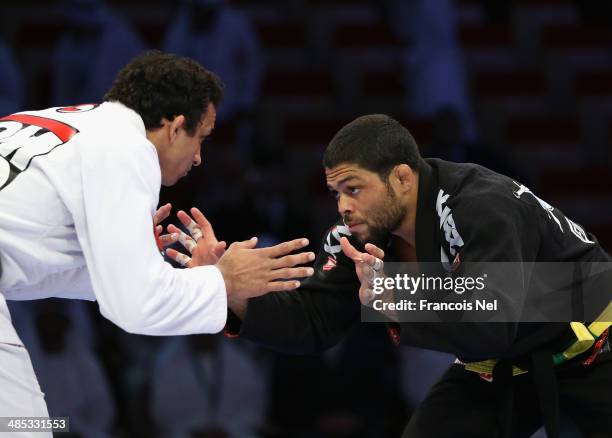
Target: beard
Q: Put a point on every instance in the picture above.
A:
(384, 219)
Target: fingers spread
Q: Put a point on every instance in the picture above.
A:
(183, 238)
(194, 230)
(190, 224)
(187, 242)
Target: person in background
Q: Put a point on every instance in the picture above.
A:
(435, 73)
(94, 47)
(223, 39)
(207, 386)
(70, 375)
(11, 87)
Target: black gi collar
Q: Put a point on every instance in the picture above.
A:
(427, 221)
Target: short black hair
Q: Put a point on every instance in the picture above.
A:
(375, 142)
(161, 85)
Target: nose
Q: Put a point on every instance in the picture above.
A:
(345, 206)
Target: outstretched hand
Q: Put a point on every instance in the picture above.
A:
(201, 243)
(368, 265)
(250, 272)
(247, 271)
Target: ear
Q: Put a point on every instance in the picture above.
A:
(176, 124)
(404, 176)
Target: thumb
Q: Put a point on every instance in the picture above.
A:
(349, 250)
(219, 248)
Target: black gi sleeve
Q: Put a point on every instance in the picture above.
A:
(312, 318)
(494, 228)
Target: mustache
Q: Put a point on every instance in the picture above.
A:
(347, 219)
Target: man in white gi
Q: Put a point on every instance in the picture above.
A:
(78, 191)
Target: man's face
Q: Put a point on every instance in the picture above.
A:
(369, 206)
(184, 150)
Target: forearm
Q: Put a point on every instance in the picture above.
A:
(238, 307)
(173, 302)
(297, 322)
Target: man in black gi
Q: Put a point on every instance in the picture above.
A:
(430, 210)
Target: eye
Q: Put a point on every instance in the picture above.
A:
(353, 190)
(335, 194)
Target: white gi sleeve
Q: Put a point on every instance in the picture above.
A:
(135, 288)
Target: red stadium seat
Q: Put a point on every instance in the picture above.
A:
(591, 181)
(152, 33)
(312, 131)
(303, 83)
(281, 35)
(544, 3)
(560, 132)
(339, 2)
(420, 128)
(383, 83)
(32, 33)
(224, 133)
(570, 36)
(603, 232)
(598, 83)
(318, 131)
(485, 36)
(352, 36)
(492, 84)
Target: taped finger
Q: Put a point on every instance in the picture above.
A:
(378, 264)
(168, 239)
(178, 257)
(194, 230)
(187, 242)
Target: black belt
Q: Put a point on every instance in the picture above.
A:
(545, 380)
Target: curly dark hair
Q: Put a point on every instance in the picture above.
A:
(161, 85)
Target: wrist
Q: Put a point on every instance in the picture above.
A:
(238, 307)
(227, 280)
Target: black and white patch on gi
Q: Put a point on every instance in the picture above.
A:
(332, 245)
(576, 229)
(451, 234)
(24, 137)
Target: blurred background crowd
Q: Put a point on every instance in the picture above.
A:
(521, 86)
